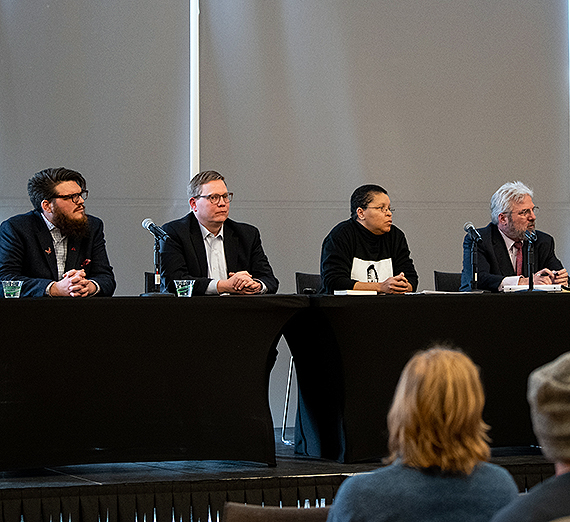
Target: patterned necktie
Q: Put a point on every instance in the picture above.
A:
(519, 261)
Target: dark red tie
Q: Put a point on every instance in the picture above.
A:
(519, 261)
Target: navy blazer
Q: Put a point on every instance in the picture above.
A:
(183, 256)
(494, 260)
(27, 254)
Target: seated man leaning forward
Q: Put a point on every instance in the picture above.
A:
(56, 249)
(221, 255)
(502, 252)
(366, 252)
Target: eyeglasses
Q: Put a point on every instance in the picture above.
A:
(526, 212)
(214, 199)
(74, 197)
(384, 209)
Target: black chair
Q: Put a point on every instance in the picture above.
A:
(447, 281)
(304, 284)
(307, 283)
(149, 285)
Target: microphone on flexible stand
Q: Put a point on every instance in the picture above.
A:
(472, 231)
(155, 230)
(531, 238)
(159, 235)
(475, 238)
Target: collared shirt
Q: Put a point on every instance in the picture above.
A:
(217, 267)
(216, 256)
(511, 249)
(60, 251)
(59, 247)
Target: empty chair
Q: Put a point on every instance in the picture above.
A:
(304, 284)
(307, 283)
(234, 512)
(447, 281)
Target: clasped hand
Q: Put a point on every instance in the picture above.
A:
(73, 284)
(395, 285)
(240, 283)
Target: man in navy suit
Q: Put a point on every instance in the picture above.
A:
(503, 241)
(56, 249)
(221, 255)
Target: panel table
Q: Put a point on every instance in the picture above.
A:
(357, 346)
(138, 379)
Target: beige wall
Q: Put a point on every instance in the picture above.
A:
(440, 101)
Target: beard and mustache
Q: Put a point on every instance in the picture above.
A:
(76, 228)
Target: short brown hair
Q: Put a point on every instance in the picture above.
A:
(436, 415)
(195, 185)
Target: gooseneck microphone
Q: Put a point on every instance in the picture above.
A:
(472, 231)
(530, 236)
(155, 230)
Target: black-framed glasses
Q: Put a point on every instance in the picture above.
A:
(73, 197)
(384, 209)
(214, 199)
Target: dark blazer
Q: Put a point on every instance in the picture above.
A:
(494, 260)
(183, 256)
(27, 254)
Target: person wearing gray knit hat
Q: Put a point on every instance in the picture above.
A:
(549, 399)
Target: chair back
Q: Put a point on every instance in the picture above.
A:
(447, 281)
(149, 283)
(307, 283)
(235, 512)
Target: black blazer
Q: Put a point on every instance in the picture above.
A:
(27, 254)
(494, 260)
(183, 256)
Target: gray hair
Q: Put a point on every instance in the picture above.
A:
(502, 199)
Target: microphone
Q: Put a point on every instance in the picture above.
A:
(472, 231)
(155, 230)
(530, 236)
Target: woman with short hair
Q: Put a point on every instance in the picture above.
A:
(438, 447)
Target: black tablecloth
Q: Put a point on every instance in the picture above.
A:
(353, 349)
(138, 379)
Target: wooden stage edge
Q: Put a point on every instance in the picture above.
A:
(200, 487)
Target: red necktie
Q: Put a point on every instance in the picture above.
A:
(519, 261)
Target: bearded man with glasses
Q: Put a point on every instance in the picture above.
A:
(502, 251)
(56, 249)
(221, 255)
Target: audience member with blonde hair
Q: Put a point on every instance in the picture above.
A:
(438, 451)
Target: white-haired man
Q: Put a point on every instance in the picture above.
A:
(502, 252)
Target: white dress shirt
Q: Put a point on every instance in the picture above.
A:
(217, 267)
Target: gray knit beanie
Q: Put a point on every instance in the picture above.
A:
(549, 399)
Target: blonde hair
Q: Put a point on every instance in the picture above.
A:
(436, 415)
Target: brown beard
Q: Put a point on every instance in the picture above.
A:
(77, 228)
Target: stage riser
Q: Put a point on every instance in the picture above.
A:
(189, 501)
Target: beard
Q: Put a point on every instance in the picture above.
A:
(77, 228)
(518, 232)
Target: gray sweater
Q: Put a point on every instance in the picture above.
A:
(400, 493)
